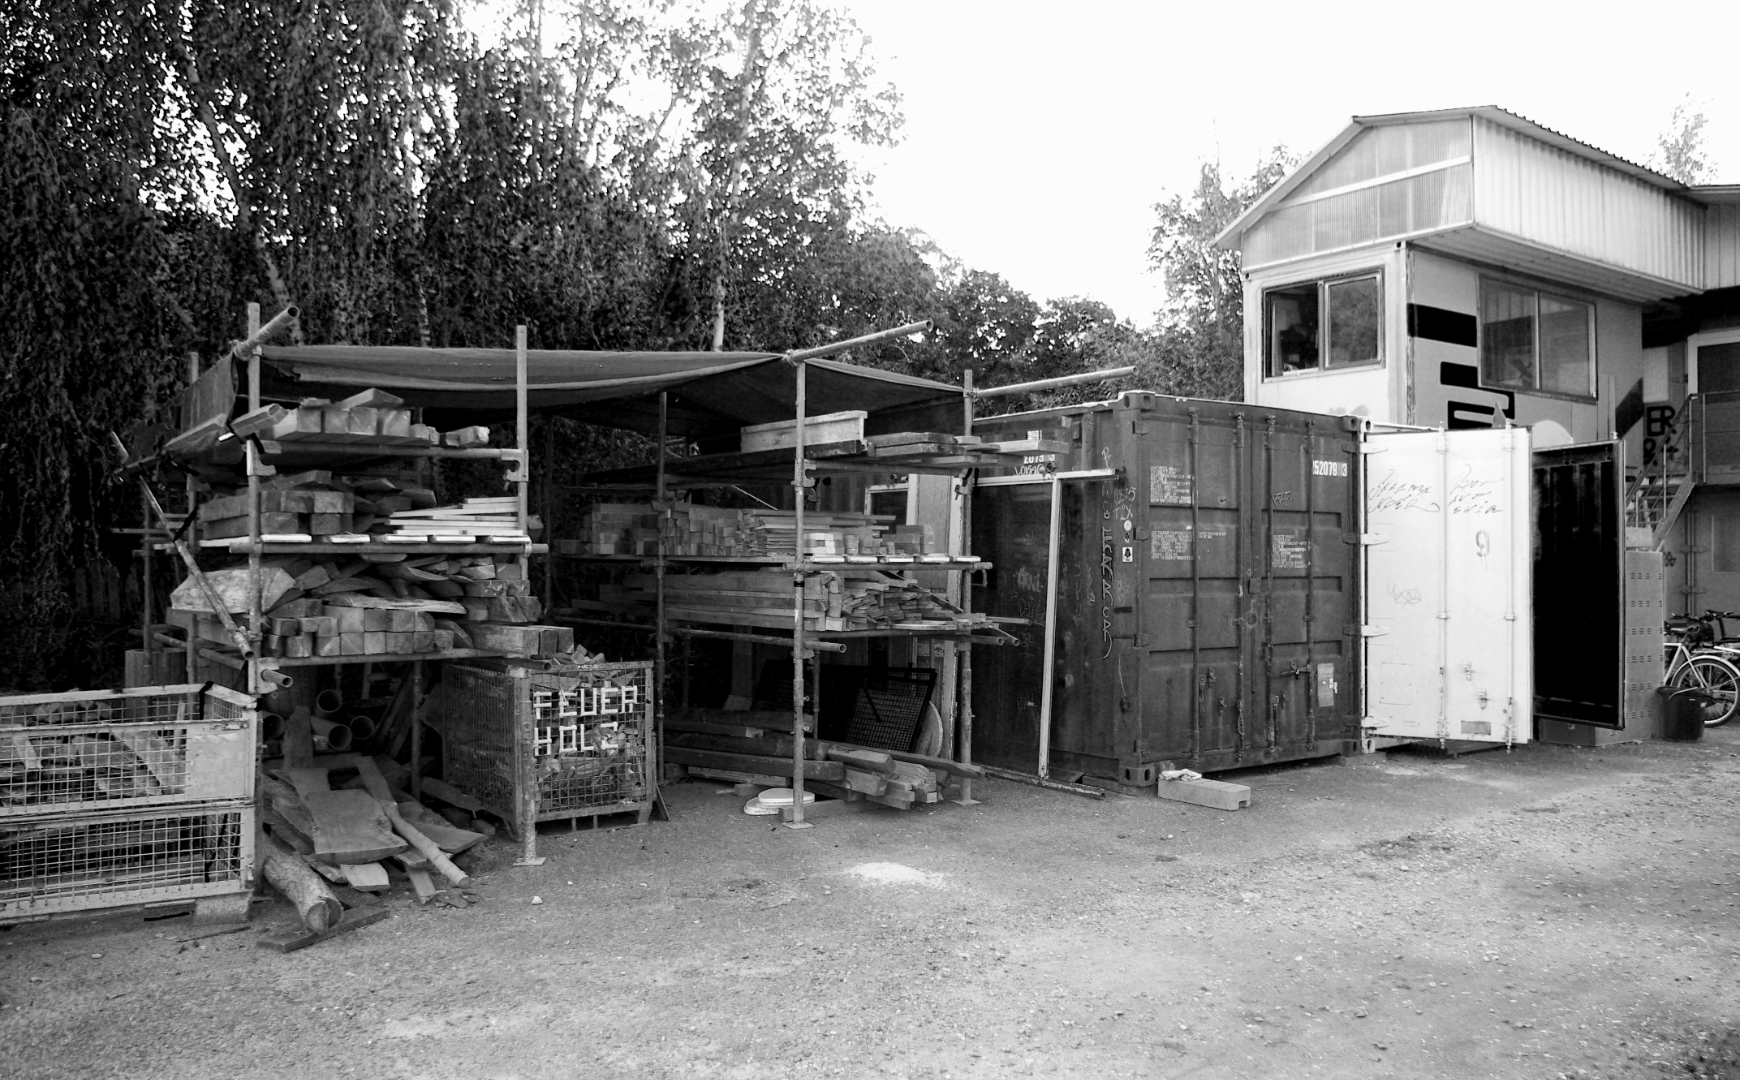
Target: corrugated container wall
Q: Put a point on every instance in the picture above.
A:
(1207, 591)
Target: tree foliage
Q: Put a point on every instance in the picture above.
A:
(1680, 151)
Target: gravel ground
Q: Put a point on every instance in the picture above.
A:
(1547, 912)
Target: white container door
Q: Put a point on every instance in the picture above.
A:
(1448, 557)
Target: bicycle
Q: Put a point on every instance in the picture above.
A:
(1698, 657)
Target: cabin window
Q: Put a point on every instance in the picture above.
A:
(1314, 325)
(1535, 341)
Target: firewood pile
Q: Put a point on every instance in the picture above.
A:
(347, 823)
(749, 747)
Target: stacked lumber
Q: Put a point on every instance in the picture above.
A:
(833, 600)
(492, 520)
(381, 604)
(359, 832)
(715, 532)
(615, 529)
(316, 504)
(749, 749)
(373, 417)
(774, 532)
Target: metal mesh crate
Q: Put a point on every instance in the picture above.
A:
(102, 749)
(78, 862)
(537, 746)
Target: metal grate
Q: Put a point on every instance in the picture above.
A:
(889, 707)
(94, 860)
(150, 746)
(586, 735)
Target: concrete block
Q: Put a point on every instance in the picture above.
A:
(1215, 793)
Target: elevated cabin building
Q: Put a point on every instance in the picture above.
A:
(1469, 268)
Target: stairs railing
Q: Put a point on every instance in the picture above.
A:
(1657, 490)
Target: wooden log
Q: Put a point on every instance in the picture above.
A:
(749, 763)
(757, 745)
(319, 908)
(428, 847)
(435, 827)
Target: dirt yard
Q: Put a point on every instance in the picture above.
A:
(1548, 912)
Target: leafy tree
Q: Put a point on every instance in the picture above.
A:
(1203, 316)
(1680, 151)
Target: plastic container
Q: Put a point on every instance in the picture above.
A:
(1683, 719)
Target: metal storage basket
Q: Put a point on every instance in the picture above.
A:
(539, 746)
(97, 860)
(110, 749)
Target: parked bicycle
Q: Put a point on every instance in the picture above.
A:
(1700, 656)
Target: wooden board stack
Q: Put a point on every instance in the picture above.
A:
(372, 417)
(615, 529)
(315, 504)
(492, 520)
(834, 600)
(396, 604)
(716, 532)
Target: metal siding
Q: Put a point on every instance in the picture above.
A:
(1722, 246)
(1549, 197)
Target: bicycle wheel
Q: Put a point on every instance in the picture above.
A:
(1716, 677)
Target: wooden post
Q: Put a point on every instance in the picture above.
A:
(523, 487)
(255, 616)
(964, 649)
(800, 476)
(416, 688)
(1045, 670)
(549, 504)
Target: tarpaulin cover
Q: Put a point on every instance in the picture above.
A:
(710, 393)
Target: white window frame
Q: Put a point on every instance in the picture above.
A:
(1539, 290)
(1323, 283)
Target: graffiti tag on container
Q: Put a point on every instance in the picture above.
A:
(1474, 495)
(1106, 546)
(1391, 493)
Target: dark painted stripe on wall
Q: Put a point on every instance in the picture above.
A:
(1438, 324)
(1467, 377)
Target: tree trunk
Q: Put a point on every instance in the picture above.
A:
(319, 908)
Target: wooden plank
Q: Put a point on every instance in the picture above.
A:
(749, 763)
(369, 877)
(353, 920)
(350, 827)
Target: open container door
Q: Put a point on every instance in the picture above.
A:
(1448, 559)
(1580, 675)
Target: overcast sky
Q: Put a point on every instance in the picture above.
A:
(1039, 135)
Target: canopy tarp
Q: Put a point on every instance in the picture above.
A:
(712, 393)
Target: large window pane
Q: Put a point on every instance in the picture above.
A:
(1355, 321)
(1507, 336)
(1292, 328)
(1565, 363)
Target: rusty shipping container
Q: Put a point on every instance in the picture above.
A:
(1207, 595)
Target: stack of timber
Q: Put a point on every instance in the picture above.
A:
(616, 529)
(347, 821)
(373, 417)
(313, 505)
(378, 604)
(715, 532)
(833, 600)
(749, 747)
(493, 520)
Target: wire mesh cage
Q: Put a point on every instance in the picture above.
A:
(106, 749)
(95, 860)
(547, 745)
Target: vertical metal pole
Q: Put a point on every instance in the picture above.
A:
(255, 615)
(1046, 665)
(146, 539)
(520, 435)
(800, 476)
(549, 504)
(192, 656)
(655, 740)
(1197, 675)
(416, 677)
(964, 649)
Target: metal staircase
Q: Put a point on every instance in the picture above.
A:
(1657, 491)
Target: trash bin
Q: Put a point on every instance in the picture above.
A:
(1683, 718)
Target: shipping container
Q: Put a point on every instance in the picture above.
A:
(1206, 611)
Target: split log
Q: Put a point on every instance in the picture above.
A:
(766, 766)
(428, 847)
(319, 908)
